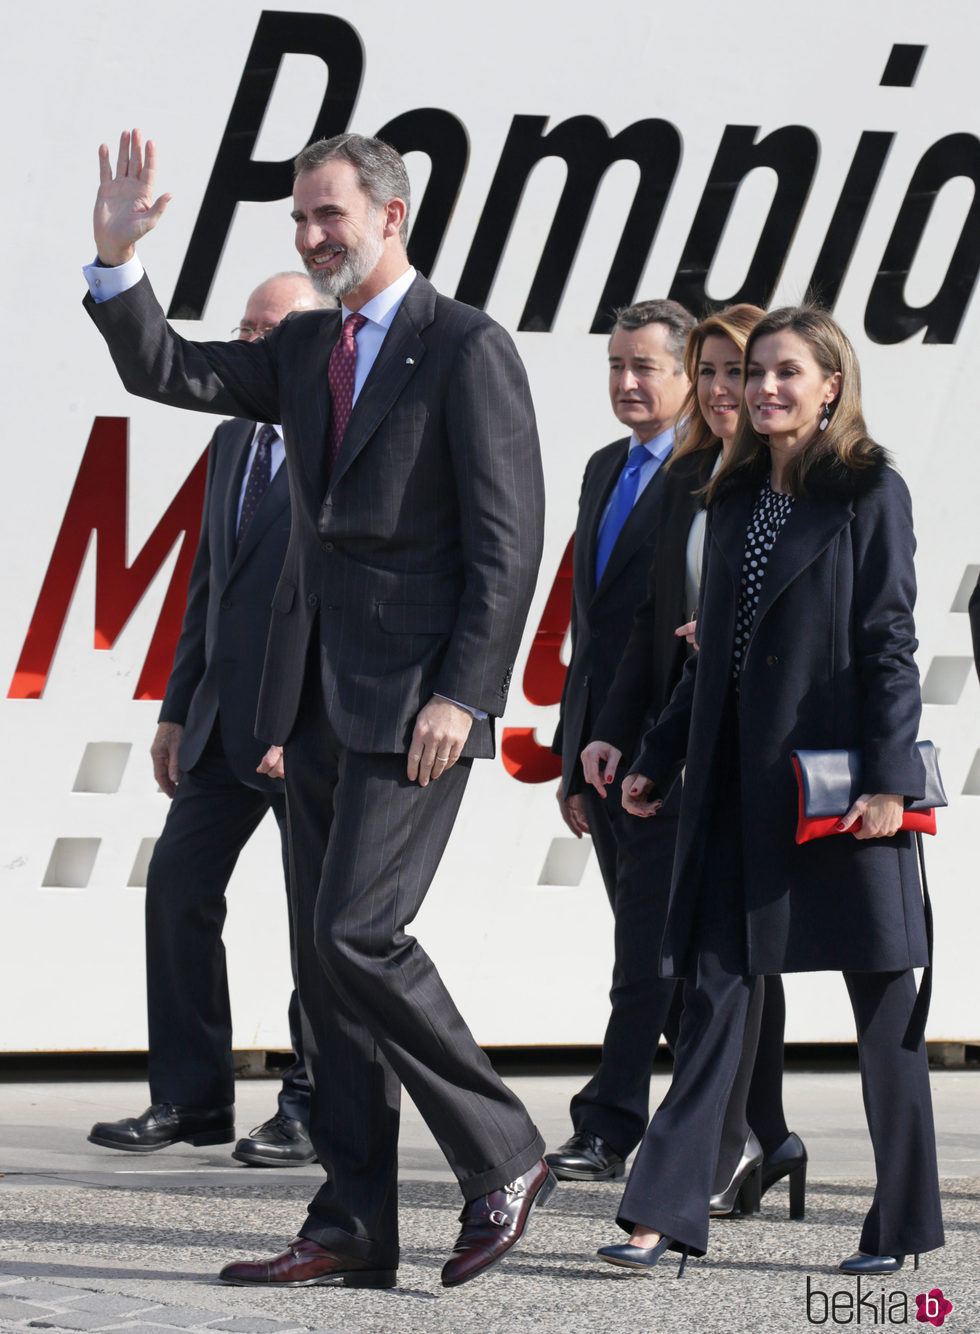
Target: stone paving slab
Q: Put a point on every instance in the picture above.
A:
(137, 1245)
(760, 1273)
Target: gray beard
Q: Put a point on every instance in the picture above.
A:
(356, 265)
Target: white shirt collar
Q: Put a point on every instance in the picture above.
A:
(381, 309)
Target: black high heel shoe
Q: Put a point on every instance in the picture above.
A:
(858, 1263)
(638, 1257)
(743, 1194)
(790, 1160)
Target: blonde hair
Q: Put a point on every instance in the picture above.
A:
(844, 443)
(734, 322)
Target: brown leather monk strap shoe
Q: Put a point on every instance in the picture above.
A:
(304, 1264)
(493, 1223)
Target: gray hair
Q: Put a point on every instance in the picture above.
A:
(381, 171)
(676, 319)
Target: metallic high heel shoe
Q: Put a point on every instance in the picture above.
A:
(859, 1263)
(743, 1194)
(790, 1160)
(637, 1257)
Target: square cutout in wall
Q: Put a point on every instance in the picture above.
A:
(102, 766)
(137, 876)
(945, 680)
(71, 863)
(566, 862)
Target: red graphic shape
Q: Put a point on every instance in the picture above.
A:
(544, 675)
(98, 503)
(933, 1307)
(544, 678)
(524, 759)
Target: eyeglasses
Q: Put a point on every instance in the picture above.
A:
(250, 331)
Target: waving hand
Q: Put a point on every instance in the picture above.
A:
(125, 209)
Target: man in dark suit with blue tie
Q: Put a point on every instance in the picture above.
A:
(620, 519)
(207, 759)
(417, 523)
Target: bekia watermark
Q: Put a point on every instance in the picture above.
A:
(873, 1306)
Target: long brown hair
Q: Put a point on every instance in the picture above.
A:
(845, 443)
(734, 322)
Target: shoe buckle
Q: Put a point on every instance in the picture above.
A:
(499, 1217)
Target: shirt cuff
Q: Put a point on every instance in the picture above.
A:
(478, 714)
(105, 283)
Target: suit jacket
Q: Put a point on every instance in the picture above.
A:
(975, 624)
(652, 662)
(829, 664)
(417, 555)
(602, 615)
(218, 663)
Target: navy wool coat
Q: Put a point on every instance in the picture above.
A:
(829, 664)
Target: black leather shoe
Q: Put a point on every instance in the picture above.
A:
(163, 1124)
(858, 1263)
(637, 1257)
(494, 1223)
(742, 1194)
(586, 1157)
(788, 1160)
(278, 1142)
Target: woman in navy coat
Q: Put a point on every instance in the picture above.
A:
(806, 642)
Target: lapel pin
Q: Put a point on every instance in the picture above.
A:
(409, 361)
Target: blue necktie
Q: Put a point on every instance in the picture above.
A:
(623, 499)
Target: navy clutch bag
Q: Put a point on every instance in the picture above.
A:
(830, 783)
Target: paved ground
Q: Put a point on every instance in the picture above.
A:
(92, 1240)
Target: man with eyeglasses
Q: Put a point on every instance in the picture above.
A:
(207, 760)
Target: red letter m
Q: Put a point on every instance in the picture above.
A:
(99, 503)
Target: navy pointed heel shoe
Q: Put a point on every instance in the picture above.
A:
(858, 1263)
(789, 1160)
(636, 1257)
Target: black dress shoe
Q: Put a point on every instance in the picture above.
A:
(859, 1263)
(494, 1223)
(163, 1124)
(307, 1264)
(743, 1193)
(586, 1157)
(278, 1142)
(788, 1160)
(638, 1257)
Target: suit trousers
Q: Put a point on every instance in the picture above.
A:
(635, 858)
(211, 818)
(364, 846)
(679, 1161)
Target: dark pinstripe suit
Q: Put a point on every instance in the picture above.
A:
(409, 572)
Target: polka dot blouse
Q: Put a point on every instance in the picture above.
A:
(772, 509)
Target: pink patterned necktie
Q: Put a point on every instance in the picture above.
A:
(340, 376)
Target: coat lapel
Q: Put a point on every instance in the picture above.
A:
(811, 527)
(594, 501)
(233, 490)
(314, 443)
(400, 356)
(270, 507)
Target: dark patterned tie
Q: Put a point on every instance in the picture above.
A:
(259, 477)
(340, 375)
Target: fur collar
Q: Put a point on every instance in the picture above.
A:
(828, 479)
